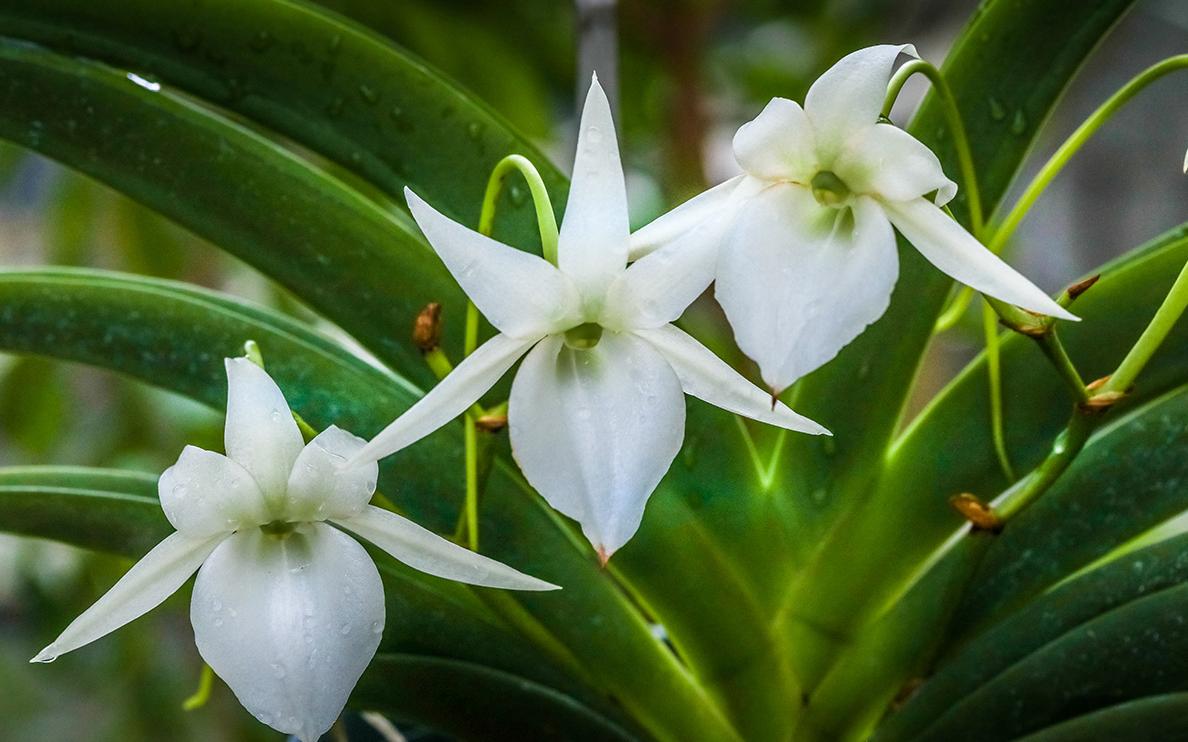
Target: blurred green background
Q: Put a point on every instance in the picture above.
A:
(689, 73)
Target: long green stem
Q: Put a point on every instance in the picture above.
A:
(1088, 411)
(1052, 168)
(547, 223)
(1074, 143)
(994, 369)
(1161, 324)
(1050, 344)
(956, 127)
(545, 219)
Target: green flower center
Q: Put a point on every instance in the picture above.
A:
(584, 336)
(278, 528)
(828, 189)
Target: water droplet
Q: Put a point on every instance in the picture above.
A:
(368, 94)
(474, 130)
(377, 627)
(1018, 123)
(261, 42)
(218, 622)
(346, 629)
(179, 491)
(518, 195)
(997, 112)
(216, 605)
(277, 670)
(594, 135)
(820, 494)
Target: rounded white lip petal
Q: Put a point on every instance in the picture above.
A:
(424, 550)
(206, 493)
(289, 624)
(592, 245)
(711, 204)
(321, 487)
(946, 244)
(521, 294)
(850, 95)
(709, 378)
(594, 431)
(885, 161)
(778, 144)
(154, 578)
(469, 380)
(799, 281)
(260, 434)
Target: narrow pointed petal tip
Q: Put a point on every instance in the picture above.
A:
(45, 656)
(603, 555)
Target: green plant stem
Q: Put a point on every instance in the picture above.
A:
(1161, 324)
(1086, 415)
(956, 127)
(1050, 344)
(202, 694)
(994, 370)
(1075, 141)
(547, 224)
(545, 219)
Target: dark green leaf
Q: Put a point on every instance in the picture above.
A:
(1114, 634)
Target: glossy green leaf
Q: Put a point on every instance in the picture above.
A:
(312, 76)
(1154, 717)
(176, 336)
(334, 248)
(476, 702)
(1115, 634)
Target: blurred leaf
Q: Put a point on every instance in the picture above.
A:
(33, 403)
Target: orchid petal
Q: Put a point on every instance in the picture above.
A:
(592, 245)
(154, 578)
(709, 378)
(469, 380)
(206, 493)
(947, 245)
(695, 212)
(424, 550)
(320, 487)
(778, 144)
(289, 623)
(595, 430)
(521, 294)
(657, 288)
(799, 281)
(887, 162)
(260, 433)
(849, 96)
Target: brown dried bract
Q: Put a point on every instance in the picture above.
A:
(427, 327)
(976, 512)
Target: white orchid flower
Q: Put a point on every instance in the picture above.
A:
(597, 410)
(808, 258)
(287, 608)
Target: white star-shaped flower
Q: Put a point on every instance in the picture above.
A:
(808, 257)
(597, 410)
(287, 608)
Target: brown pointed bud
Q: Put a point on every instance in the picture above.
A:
(906, 692)
(492, 422)
(1100, 401)
(978, 513)
(1079, 288)
(427, 327)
